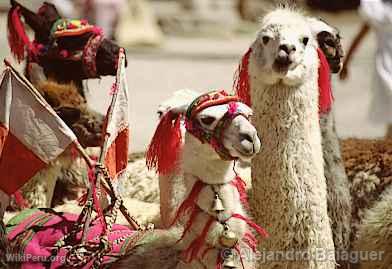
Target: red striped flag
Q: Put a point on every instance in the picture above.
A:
(31, 133)
(117, 124)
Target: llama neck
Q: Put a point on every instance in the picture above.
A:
(198, 161)
(201, 161)
(288, 172)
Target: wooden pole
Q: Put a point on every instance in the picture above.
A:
(104, 147)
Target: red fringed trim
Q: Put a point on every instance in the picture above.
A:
(241, 187)
(19, 199)
(17, 37)
(190, 202)
(253, 225)
(194, 248)
(250, 240)
(196, 210)
(241, 79)
(164, 149)
(324, 83)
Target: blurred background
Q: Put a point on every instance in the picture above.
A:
(197, 44)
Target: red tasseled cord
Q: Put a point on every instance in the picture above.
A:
(17, 37)
(241, 79)
(190, 202)
(164, 149)
(253, 225)
(194, 248)
(241, 187)
(19, 199)
(324, 82)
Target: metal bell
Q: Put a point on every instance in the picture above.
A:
(217, 204)
(228, 239)
(229, 262)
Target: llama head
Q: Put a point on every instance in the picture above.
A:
(282, 47)
(61, 44)
(217, 124)
(329, 41)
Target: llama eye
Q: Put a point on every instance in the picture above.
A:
(207, 120)
(305, 40)
(266, 39)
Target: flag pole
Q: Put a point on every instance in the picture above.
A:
(101, 159)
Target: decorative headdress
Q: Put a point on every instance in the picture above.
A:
(163, 151)
(242, 84)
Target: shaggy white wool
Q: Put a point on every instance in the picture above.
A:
(289, 195)
(375, 234)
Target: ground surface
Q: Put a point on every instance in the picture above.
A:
(206, 63)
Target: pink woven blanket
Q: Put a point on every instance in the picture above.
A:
(33, 240)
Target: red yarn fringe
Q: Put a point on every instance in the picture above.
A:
(324, 82)
(241, 187)
(195, 211)
(164, 149)
(253, 225)
(17, 37)
(241, 79)
(19, 199)
(190, 202)
(194, 248)
(250, 240)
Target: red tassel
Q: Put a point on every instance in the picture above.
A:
(324, 82)
(190, 221)
(17, 37)
(241, 187)
(253, 225)
(194, 248)
(19, 199)
(251, 241)
(241, 79)
(190, 202)
(164, 149)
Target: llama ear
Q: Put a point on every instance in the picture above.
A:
(241, 79)
(17, 37)
(164, 149)
(318, 25)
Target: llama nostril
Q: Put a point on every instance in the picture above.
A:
(246, 137)
(287, 48)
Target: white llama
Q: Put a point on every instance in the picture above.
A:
(289, 195)
(204, 180)
(216, 226)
